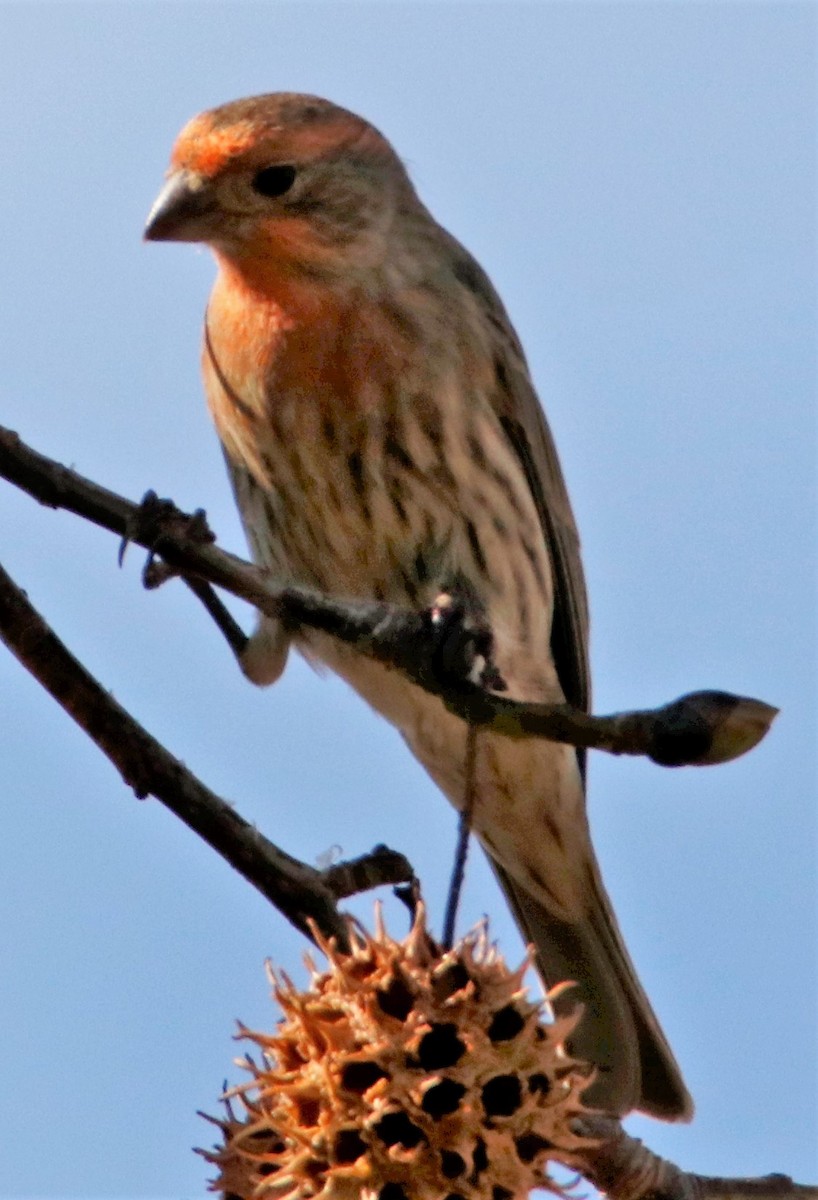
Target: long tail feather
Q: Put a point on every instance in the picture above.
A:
(619, 1032)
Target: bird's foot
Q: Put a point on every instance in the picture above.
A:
(463, 643)
(154, 518)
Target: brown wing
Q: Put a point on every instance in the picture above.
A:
(523, 420)
(619, 1032)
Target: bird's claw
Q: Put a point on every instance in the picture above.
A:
(154, 518)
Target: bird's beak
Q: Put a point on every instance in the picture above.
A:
(180, 211)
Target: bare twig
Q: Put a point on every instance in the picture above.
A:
(698, 729)
(380, 866)
(234, 635)
(464, 827)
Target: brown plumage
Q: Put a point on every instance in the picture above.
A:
(384, 440)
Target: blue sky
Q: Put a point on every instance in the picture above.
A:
(639, 180)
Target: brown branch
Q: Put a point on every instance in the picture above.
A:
(380, 866)
(699, 729)
(297, 890)
(624, 1169)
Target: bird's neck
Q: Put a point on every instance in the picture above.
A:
(260, 283)
(263, 325)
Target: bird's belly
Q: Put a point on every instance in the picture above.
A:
(358, 519)
(529, 810)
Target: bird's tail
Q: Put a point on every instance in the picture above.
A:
(619, 1032)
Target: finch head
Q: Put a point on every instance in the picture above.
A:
(283, 180)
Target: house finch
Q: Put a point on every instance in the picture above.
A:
(384, 440)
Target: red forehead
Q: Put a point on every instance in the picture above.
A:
(206, 148)
(208, 144)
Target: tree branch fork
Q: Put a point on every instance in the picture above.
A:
(700, 729)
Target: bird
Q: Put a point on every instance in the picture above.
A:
(385, 441)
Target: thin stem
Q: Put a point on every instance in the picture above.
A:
(463, 834)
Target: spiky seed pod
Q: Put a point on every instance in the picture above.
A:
(404, 1074)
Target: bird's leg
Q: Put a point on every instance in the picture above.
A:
(263, 656)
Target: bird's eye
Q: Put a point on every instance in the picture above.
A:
(274, 181)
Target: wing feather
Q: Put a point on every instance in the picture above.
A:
(523, 422)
